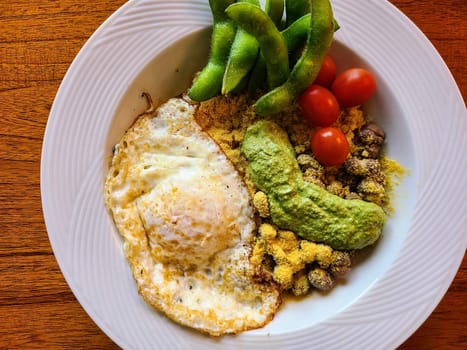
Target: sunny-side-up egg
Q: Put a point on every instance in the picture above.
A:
(188, 225)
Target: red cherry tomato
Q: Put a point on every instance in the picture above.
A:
(330, 146)
(327, 72)
(319, 106)
(353, 87)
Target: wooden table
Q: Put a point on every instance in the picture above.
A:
(38, 41)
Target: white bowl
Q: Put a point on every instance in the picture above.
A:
(155, 47)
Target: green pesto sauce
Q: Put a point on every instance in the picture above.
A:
(303, 207)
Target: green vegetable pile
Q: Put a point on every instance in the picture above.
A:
(252, 47)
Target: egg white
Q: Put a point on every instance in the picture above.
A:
(188, 224)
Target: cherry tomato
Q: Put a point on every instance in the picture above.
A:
(353, 87)
(330, 146)
(327, 72)
(319, 106)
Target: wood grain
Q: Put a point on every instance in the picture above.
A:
(38, 41)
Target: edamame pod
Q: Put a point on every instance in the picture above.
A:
(208, 82)
(294, 36)
(319, 40)
(258, 76)
(275, 10)
(294, 9)
(242, 57)
(272, 44)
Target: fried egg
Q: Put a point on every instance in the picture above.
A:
(188, 225)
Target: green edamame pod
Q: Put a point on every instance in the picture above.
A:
(294, 35)
(208, 82)
(275, 10)
(319, 40)
(258, 76)
(336, 25)
(294, 9)
(272, 44)
(242, 57)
